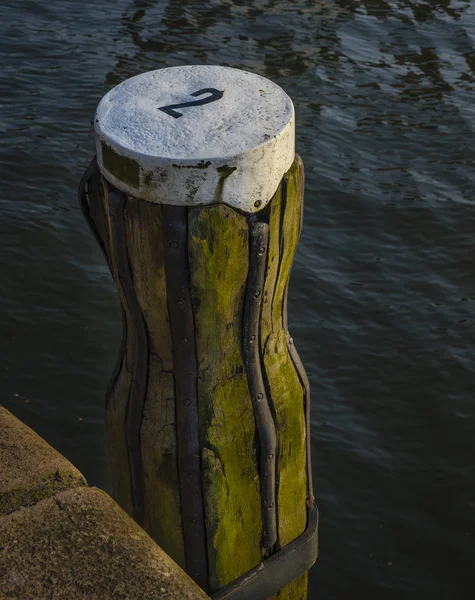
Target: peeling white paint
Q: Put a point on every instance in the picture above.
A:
(233, 150)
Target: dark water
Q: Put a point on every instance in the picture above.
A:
(383, 290)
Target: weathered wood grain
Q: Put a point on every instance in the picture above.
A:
(162, 505)
(138, 386)
(182, 326)
(118, 393)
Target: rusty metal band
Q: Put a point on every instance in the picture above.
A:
(180, 309)
(138, 386)
(258, 246)
(85, 198)
(290, 343)
(277, 571)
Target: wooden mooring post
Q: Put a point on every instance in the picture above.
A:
(196, 201)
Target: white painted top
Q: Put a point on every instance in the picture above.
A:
(232, 149)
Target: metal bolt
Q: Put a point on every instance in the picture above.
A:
(257, 203)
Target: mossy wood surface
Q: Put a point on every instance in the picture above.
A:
(287, 394)
(219, 258)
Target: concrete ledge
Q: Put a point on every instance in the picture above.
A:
(30, 469)
(81, 545)
(61, 539)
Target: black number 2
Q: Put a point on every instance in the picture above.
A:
(215, 95)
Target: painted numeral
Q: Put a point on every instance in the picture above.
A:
(171, 109)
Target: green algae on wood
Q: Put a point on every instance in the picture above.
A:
(286, 391)
(289, 394)
(218, 254)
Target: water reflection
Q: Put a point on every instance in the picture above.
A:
(405, 10)
(240, 34)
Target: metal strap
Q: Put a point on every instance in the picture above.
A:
(277, 571)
